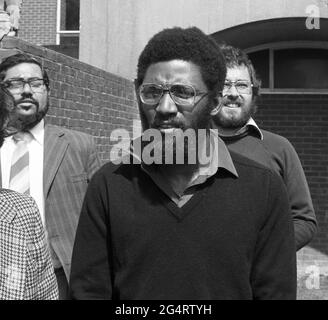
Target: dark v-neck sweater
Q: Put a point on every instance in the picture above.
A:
(232, 240)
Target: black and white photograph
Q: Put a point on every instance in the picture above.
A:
(163, 154)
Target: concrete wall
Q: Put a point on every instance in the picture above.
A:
(126, 26)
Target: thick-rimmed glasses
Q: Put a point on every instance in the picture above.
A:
(17, 85)
(243, 87)
(181, 94)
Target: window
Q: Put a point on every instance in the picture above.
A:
(70, 15)
(260, 60)
(284, 68)
(68, 27)
(301, 68)
(68, 21)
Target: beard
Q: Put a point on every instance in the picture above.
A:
(21, 122)
(233, 121)
(174, 146)
(178, 142)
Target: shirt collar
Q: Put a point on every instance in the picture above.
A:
(220, 157)
(252, 124)
(38, 132)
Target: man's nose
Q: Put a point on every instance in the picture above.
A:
(27, 88)
(233, 91)
(166, 105)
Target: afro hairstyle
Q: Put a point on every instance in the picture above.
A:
(189, 44)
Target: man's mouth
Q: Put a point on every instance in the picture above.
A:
(26, 105)
(166, 126)
(166, 129)
(232, 105)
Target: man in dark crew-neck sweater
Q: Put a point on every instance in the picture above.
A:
(237, 128)
(210, 226)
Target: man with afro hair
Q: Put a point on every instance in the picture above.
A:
(162, 229)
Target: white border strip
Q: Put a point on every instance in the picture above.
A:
(58, 22)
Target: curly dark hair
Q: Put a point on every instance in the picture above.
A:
(189, 44)
(236, 57)
(6, 104)
(18, 58)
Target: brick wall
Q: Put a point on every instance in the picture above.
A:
(303, 120)
(38, 21)
(83, 97)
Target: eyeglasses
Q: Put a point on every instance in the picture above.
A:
(243, 87)
(17, 85)
(181, 94)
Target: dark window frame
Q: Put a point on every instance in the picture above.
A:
(272, 47)
(60, 32)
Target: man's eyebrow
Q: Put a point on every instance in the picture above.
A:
(236, 80)
(21, 78)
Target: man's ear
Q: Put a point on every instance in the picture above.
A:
(135, 82)
(136, 89)
(144, 123)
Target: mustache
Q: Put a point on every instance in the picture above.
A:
(227, 100)
(30, 100)
(224, 101)
(173, 122)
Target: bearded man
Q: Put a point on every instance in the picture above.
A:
(50, 163)
(235, 125)
(213, 230)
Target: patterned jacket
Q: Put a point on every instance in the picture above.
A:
(26, 270)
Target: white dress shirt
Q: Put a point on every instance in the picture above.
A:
(35, 148)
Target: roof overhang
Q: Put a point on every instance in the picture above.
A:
(273, 30)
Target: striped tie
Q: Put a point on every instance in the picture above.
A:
(19, 172)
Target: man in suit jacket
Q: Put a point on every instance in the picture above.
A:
(26, 270)
(61, 161)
